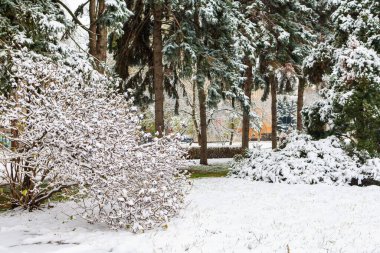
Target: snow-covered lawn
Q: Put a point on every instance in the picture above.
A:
(223, 215)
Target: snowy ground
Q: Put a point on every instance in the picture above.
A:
(224, 215)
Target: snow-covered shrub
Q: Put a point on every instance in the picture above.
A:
(70, 129)
(303, 160)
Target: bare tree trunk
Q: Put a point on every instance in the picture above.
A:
(92, 30)
(301, 88)
(200, 80)
(273, 89)
(101, 42)
(97, 34)
(193, 115)
(203, 118)
(158, 70)
(247, 92)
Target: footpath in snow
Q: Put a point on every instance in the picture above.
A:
(223, 215)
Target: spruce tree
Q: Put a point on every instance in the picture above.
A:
(140, 49)
(286, 31)
(286, 114)
(350, 59)
(201, 48)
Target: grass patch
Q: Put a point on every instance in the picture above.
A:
(4, 202)
(201, 171)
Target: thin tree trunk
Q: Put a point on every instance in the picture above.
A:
(14, 170)
(301, 88)
(158, 70)
(273, 89)
(246, 112)
(200, 79)
(203, 119)
(101, 42)
(193, 114)
(92, 30)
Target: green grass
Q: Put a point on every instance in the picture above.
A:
(201, 171)
(4, 204)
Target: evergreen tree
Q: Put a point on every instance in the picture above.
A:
(201, 48)
(286, 115)
(140, 49)
(245, 46)
(34, 25)
(286, 31)
(106, 17)
(351, 58)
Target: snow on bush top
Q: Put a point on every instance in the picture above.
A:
(303, 160)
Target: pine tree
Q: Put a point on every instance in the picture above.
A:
(286, 115)
(34, 25)
(106, 17)
(350, 59)
(286, 35)
(201, 48)
(141, 48)
(245, 46)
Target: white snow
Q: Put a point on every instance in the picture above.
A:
(306, 161)
(223, 215)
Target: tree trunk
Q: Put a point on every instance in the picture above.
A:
(273, 89)
(246, 111)
(301, 88)
(101, 41)
(193, 115)
(203, 118)
(97, 34)
(158, 70)
(200, 79)
(92, 29)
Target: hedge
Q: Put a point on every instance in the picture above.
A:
(215, 152)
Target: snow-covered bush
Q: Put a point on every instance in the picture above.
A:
(303, 160)
(69, 129)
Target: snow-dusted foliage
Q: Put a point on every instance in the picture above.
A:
(36, 24)
(350, 64)
(72, 130)
(286, 114)
(303, 160)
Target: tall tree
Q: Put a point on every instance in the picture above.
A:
(201, 48)
(286, 35)
(350, 60)
(139, 56)
(245, 46)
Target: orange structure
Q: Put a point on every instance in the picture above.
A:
(264, 133)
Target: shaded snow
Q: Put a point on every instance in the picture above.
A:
(224, 215)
